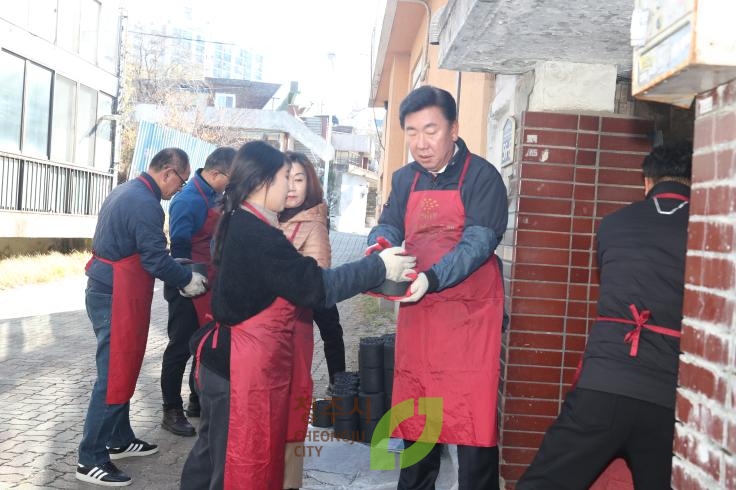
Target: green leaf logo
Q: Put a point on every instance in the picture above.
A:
(381, 458)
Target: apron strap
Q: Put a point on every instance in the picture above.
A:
(639, 321)
(296, 230)
(143, 179)
(198, 354)
(253, 210)
(465, 170)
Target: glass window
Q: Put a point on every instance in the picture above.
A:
(67, 25)
(37, 110)
(103, 143)
(109, 40)
(42, 19)
(11, 100)
(89, 25)
(62, 123)
(85, 126)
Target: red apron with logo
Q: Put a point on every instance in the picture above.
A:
(300, 392)
(201, 254)
(448, 345)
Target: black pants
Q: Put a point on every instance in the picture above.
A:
(205, 465)
(594, 428)
(328, 322)
(478, 469)
(182, 324)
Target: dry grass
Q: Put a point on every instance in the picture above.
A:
(32, 269)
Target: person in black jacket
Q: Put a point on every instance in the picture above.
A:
(624, 400)
(264, 290)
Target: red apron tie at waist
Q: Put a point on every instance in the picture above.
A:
(214, 332)
(639, 321)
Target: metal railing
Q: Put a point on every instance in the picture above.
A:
(32, 185)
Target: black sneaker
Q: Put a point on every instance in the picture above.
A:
(135, 448)
(107, 475)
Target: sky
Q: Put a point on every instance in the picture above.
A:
(296, 38)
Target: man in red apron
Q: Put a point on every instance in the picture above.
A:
(129, 250)
(193, 217)
(624, 399)
(450, 208)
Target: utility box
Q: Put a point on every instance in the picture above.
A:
(682, 48)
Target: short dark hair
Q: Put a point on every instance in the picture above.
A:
(169, 156)
(220, 159)
(670, 162)
(428, 96)
(314, 196)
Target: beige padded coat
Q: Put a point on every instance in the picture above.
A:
(310, 238)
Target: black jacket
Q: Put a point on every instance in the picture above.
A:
(486, 213)
(641, 255)
(259, 264)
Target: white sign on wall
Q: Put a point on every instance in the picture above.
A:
(508, 132)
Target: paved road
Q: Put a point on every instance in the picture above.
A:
(47, 372)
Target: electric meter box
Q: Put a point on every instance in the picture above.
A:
(682, 48)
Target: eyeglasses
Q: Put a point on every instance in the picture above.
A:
(183, 182)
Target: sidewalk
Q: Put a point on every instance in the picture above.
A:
(47, 371)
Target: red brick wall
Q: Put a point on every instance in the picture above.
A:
(705, 440)
(574, 169)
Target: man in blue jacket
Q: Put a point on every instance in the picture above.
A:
(450, 208)
(129, 251)
(193, 217)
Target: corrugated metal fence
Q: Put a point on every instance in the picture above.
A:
(153, 138)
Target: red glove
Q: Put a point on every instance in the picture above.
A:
(381, 244)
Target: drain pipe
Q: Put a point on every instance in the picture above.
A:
(426, 36)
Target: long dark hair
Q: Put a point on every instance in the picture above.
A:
(256, 163)
(314, 189)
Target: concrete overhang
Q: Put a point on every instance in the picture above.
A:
(401, 22)
(511, 36)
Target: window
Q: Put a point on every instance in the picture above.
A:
(225, 101)
(67, 26)
(109, 25)
(42, 19)
(103, 137)
(11, 100)
(62, 123)
(89, 24)
(85, 122)
(37, 110)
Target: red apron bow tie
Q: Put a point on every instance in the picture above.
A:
(639, 322)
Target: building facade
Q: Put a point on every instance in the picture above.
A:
(59, 84)
(545, 94)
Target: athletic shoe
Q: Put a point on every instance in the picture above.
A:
(135, 448)
(106, 475)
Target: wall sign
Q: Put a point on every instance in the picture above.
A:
(508, 131)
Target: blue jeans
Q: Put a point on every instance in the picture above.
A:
(105, 425)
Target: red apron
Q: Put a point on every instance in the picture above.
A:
(300, 393)
(260, 356)
(132, 294)
(201, 254)
(448, 344)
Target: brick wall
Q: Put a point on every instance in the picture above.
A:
(705, 440)
(573, 170)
